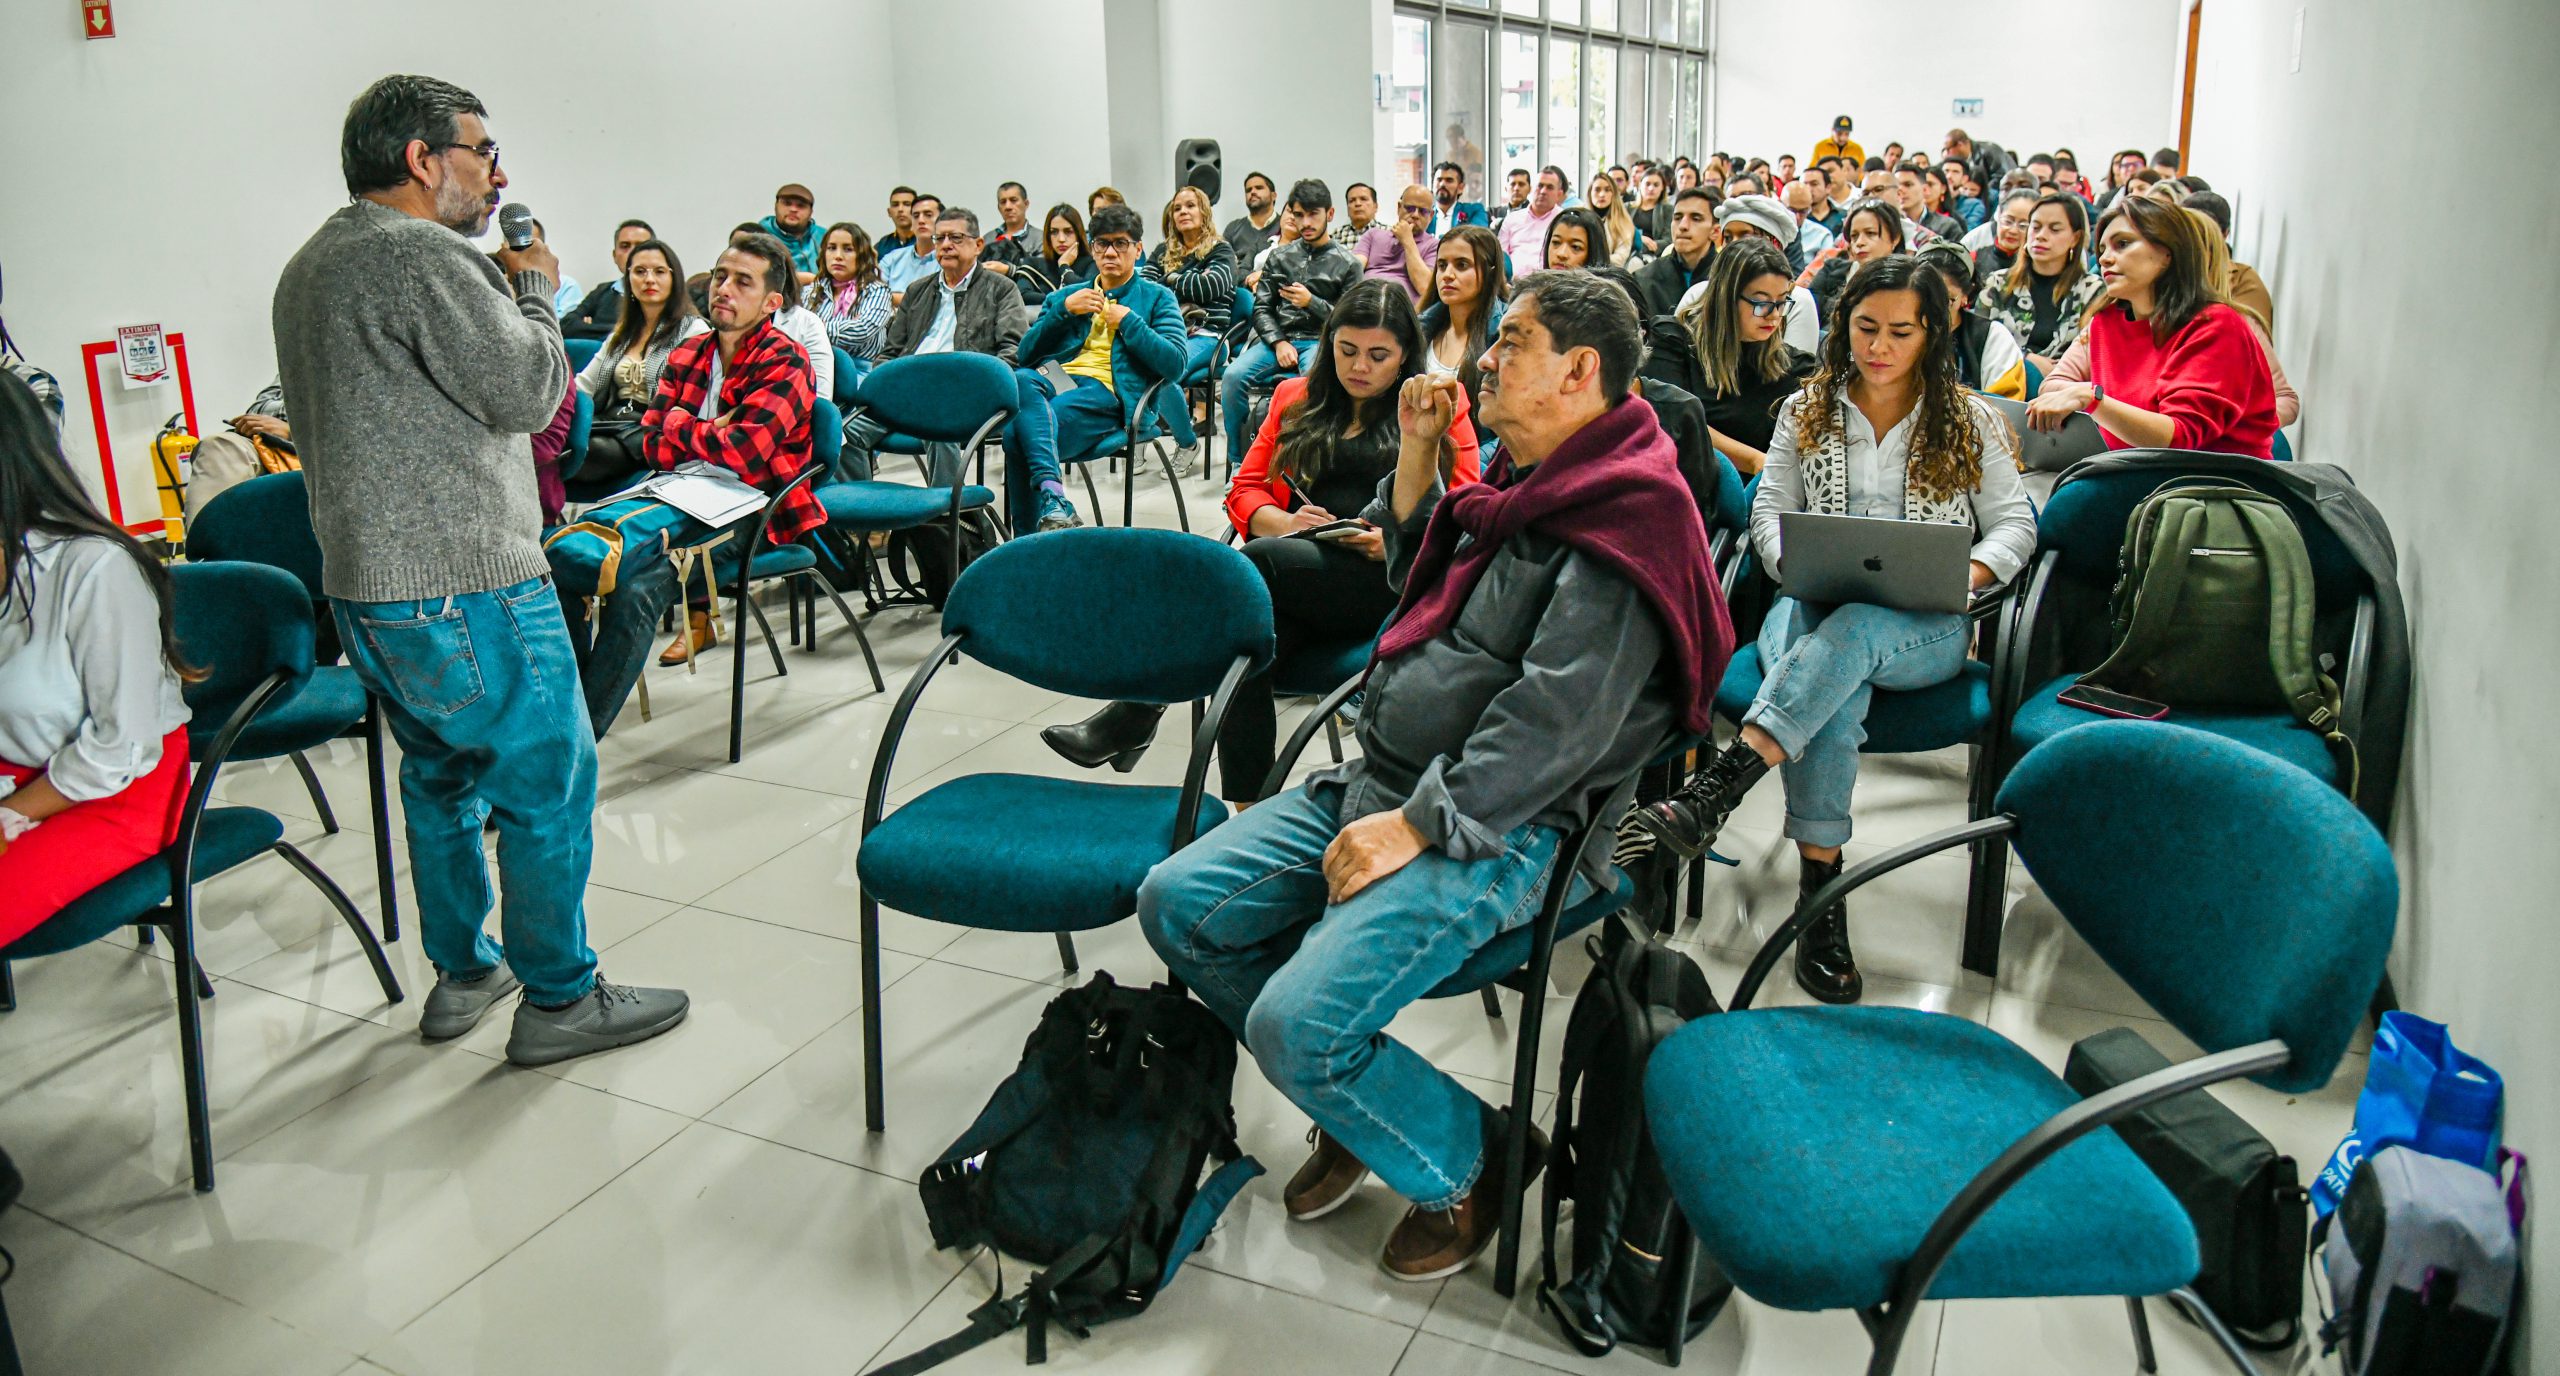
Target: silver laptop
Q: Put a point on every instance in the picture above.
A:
(2051, 451)
(1916, 566)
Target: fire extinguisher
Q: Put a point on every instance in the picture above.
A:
(172, 453)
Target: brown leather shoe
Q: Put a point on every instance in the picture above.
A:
(699, 635)
(1325, 1183)
(1432, 1243)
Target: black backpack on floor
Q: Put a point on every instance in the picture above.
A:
(1087, 1161)
(919, 558)
(1640, 992)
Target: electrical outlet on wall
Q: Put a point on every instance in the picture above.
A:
(2300, 13)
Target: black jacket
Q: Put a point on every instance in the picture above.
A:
(1665, 280)
(1327, 271)
(990, 320)
(594, 318)
(1746, 415)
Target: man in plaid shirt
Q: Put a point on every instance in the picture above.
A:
(739, 397)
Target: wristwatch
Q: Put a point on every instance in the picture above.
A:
(2096, 394)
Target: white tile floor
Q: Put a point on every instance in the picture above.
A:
(709, 1202)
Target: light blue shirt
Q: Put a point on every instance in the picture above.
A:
(570, 294)
(906, 267)
(946, 317)
(1812, 238)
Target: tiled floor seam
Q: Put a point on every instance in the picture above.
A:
(78, 1232)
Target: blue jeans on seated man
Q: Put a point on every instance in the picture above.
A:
(1823, 666)
(1240, 916)
(1252, 368)
(1051, 429)
(612, 646)
(482, 693)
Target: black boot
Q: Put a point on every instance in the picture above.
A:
(1825, 968)
(1690, 818)
(1117, 735)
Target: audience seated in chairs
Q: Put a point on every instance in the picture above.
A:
(1112, 338)
(902, 234)
(1015, 240)
(594, 317)
(2171, 364)
(1449, 209)
(1403, 252)
(914, 262)
(1725, 347)
(1359, 214)
(1887, 403)
(960, 310)
(1253, 231)
(1471, 286)
(849, 297)
(1875, 229)
(623, 376)
(1987, 355)
(93, 731)
(1308, 921)
(1299, 285)
(1652, 212)
(1689, 250)
(1618, 241)
(246, 449)
(1063, 262)
(1516, 185)
(1524, 231)
(1199, 268)
(1759, 217)
(794, 222)
(1997, 242)
(1329, 441)
(757, 424)
(2242, 284)
(1575, 238)
(2044, 295)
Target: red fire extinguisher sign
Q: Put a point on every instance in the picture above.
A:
(98, 18)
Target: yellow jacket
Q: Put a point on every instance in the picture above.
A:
(1839, 148)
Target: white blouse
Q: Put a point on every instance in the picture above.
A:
(2004, 520)
(85, 692)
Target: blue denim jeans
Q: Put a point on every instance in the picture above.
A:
(1196, 351)
(1240, 915)
(1248, 370)
(1050, 426)
(482, 693)
(1824, 665)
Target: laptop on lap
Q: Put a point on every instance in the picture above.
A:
(1914, 566)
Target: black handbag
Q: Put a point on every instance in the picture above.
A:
(2251, 1213)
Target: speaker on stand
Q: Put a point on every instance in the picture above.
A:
(1196, 162)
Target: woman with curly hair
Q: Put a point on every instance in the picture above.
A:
(1883, 430)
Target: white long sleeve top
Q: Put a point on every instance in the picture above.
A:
(85, 692)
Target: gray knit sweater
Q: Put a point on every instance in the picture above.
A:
(418, 378)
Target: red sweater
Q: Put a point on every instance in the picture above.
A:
(1256, 486)
(2211, 378)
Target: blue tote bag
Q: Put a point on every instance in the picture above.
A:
(2421, 1091)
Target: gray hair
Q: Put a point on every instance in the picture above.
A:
(373, 146)
(961, 213)
(1580, 310)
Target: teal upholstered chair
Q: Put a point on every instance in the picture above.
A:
(848, 379)
(955, 398)
(796, 564)
(267, 520)
(1519, 960)
(1122, 615)
(1872, 1158)
(249, 627)
(581, 352)
(2062, 628)
(1141, 435)
(582, 428)
(2283, 449)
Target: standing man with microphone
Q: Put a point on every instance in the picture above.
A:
(419, 372)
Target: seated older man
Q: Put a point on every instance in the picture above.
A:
(1559, 625)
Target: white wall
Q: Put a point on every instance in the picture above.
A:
(168, 173)
(2101, 77)
(2437, 401)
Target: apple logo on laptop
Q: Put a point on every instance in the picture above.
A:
(1874, 564)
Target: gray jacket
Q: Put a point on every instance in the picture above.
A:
(991, 316)
(419, 376)
(1327, 270)
(1538, 705)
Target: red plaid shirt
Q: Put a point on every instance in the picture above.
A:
(763, 431)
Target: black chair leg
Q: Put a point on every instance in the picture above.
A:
(1492, 1003)
(2194, 1307)
(1333, 737)
(874, 1100)
(182, 941)
(1516, 1128)
(1181, 508)
(1091, 492)
(347, 912)
(1129, 488)
(772, 645)
(8, 989)
(380, 788)
(738, 677)
(2143, 1357)
(869, 660)
(319, 796)
(204, 982)
(1067, 952)
(1684, 1286)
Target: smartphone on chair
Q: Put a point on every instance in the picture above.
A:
(2107, 702)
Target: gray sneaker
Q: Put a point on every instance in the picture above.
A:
(454, 1007)
(606, 1016)
(1060, 516)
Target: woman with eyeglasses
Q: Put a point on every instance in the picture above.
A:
(2045, 295)
(1883, 430)
(1726, 347)
(2008, 234)
(1064, 258)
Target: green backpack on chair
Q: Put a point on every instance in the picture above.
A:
(2212, 609)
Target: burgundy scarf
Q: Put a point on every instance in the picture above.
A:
(1613, 491)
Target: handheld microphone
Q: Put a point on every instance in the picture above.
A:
(515, 223)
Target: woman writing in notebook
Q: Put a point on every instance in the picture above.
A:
(1883, 430)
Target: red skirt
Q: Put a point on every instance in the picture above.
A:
(87, 844)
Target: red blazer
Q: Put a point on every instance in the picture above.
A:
(1256, 486)
(763, 431)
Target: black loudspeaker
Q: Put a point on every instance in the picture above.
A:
(1196, 162)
